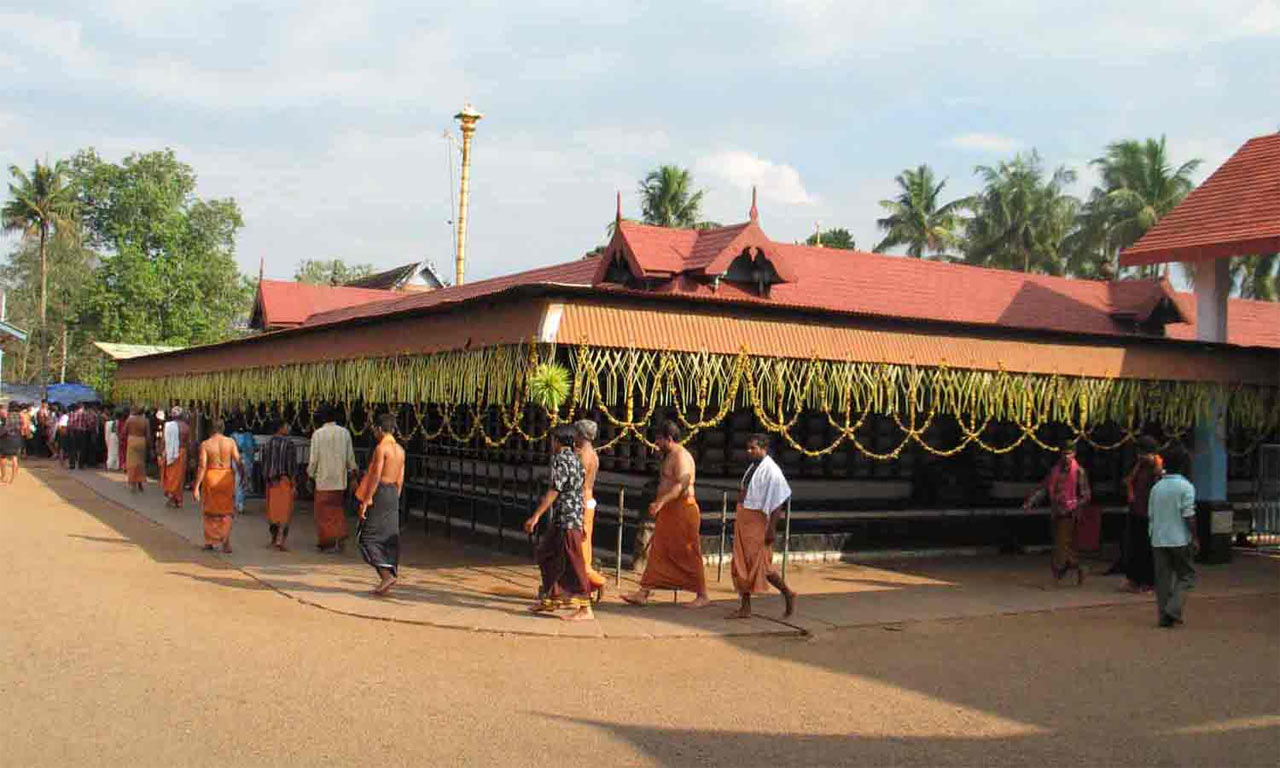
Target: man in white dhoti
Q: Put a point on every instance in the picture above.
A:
(761, 500)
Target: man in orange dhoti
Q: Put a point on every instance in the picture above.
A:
(135, 454)
(280, 471)
(216, 486)
(585, 431)
(675, 552)
(332, 467)
(761, 500)
(176, 435)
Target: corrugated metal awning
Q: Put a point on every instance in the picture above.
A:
(615, 326)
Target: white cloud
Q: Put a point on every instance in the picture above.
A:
(743, 170)
(984, 142)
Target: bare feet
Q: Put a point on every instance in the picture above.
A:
(542, 607)
(599, 595)
(741, 613)
(208, 547)
(789, 598)
(582, 614)
(226, 547)
(385, 586)
(701, 601)
(637, 598)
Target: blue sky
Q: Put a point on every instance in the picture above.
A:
(325, 120)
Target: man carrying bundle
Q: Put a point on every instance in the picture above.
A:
(761, 501)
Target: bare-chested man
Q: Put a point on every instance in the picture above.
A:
(216, 482)
(135, 451)
(585, 431)
(675, 552)
(379, 494)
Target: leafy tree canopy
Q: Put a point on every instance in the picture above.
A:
(167, 272)
(833, 238)
(330, 271)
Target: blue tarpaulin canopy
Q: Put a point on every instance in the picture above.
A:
(65, 394)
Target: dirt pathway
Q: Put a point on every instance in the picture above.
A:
(120, 644)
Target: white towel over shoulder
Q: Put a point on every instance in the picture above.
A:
(171, 441)
(768, 489)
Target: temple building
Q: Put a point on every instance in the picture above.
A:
(911, 401)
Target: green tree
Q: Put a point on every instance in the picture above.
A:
(1021, 219)
(1139, 185)
(668, 199)
(833, 238)
(69, 268)
(167, 271)
(330, 271)
(1257, 277)
(916, 219)
(41, 205)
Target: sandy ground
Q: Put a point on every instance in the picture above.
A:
(122, 644)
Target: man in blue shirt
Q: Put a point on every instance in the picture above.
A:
(1172, 509)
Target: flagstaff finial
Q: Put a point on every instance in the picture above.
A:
(262, 263)
(817, 234)
(617, 217)
(755, 214)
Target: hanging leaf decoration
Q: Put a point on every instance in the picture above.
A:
(549, 386)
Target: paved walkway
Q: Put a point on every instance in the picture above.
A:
(446, 583)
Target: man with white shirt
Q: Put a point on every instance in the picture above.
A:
(332, 467)
(1171, 514)
(762, 499)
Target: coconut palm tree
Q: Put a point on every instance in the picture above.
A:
(667, 198)
(41, 204)
(915, 218)
(1021, 220)
(1140, 186)
(1257, 277)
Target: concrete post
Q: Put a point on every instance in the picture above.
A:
(1209, 461)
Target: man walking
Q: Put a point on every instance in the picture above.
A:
(176, 435)
(135, 450)
(1068, 491)
(675, 552)
(280, 472)
(379, 495)
(762, 498)
(559, 553)
(1172, 511)
(1139, 569)
(77, 436)
(332, 467)
(216, 486)
(585, 431)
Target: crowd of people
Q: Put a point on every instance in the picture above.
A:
(1157, 548)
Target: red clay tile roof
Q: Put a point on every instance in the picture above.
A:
(578, 272)
(1235, 212)
(283, 303)
(892, 287)
(657, 250)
